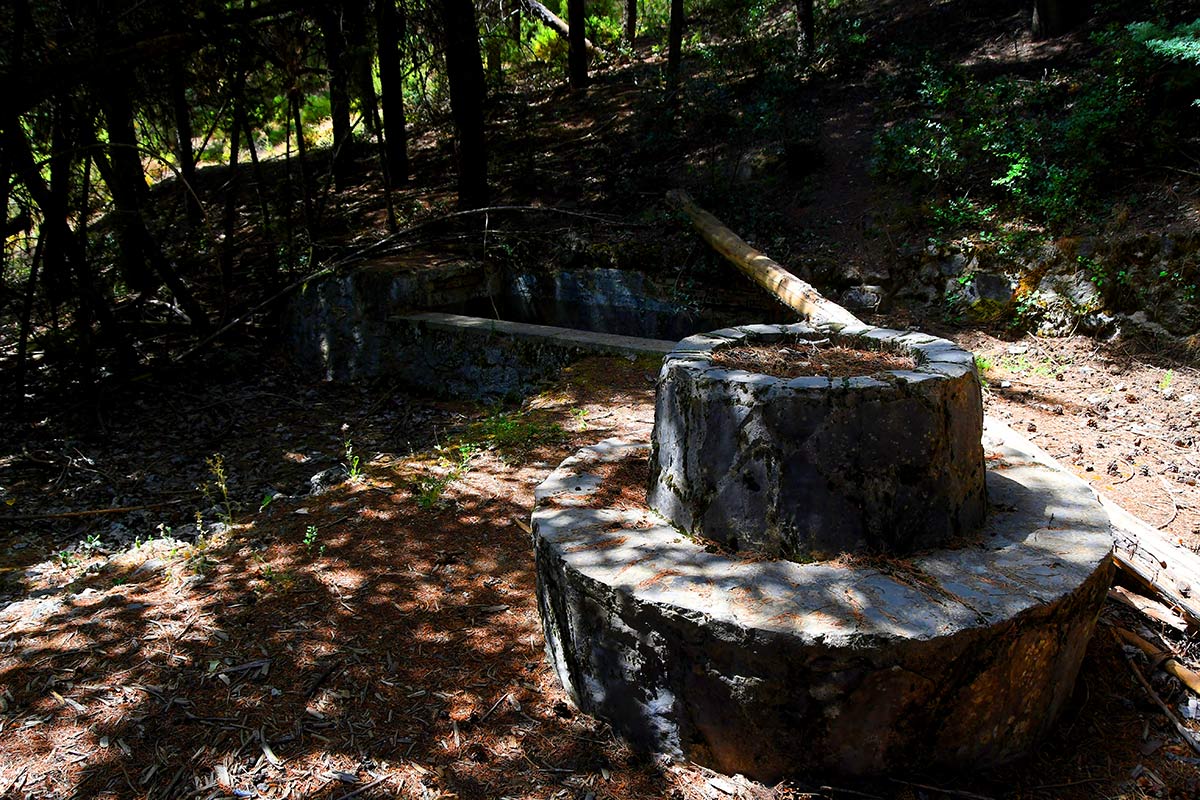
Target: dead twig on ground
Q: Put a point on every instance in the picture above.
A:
(91, 512)
(1188, 736)
(1162, 658)
(942, 790)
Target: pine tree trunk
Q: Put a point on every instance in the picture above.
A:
(576, 45)
(26, 324)
(675, 43)
(390, 24)
(127, 183)
(183, 139)
(306, 192)
(631, 16)
(1056, 17)
(359, 59)
(330, 20)
(465, 70)
(807, 25)
(232, 187)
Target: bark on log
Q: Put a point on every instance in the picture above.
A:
(556, 24)
(1170, 570)
(790, 290)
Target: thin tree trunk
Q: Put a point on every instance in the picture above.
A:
(359, 62)
(631, 16)
(1056, 17)
(576, 45)
(183, 140)
(465, 71)
(289, 235)
(259, 179)
(21, 380)
(675, 44)
(127, 182)
(233, 186)
(390, 24)
(91, 303)
(807, 25)
(330, 20)
(149, 246)
(5, 178)
(302, 157)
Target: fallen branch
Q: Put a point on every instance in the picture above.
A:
(1182, 729)
(786, 287)
(558, 25)
(363, 788)
(1162, 658)
(91, 512)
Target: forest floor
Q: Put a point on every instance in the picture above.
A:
(384, 632)
(234, 633)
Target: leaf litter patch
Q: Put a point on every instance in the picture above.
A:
(804, 358)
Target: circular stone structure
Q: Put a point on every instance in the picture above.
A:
(955, 657)
(812, 467)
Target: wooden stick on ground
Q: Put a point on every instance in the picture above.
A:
(90, 512)
(790, 290)
(1184, 731)
(1164, 658)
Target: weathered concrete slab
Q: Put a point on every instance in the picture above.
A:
(811, 467)
(953, 658)
(584, 341)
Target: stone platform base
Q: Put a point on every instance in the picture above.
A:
(948, 658)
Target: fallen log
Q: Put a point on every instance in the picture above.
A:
(558, 25)
(786, 287)
(1169, 570)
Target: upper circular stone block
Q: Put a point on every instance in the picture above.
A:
(808, 468)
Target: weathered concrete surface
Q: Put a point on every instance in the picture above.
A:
(471, 357)
(341, 327)
(338, 327)
(954, 658)
(809, 468)
(627, 301)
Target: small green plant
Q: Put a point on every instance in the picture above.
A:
(67, 558)
(580, 415)
(1165, 383)
(352, 461)
(454, 463)
(266, 501)
(310, 540)
(216, 489)
(983, 365)
(514, 434)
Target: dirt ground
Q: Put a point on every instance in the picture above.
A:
(174, 624)
(381, 639)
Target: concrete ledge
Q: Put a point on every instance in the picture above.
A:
(951, 658)
(584, 341)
